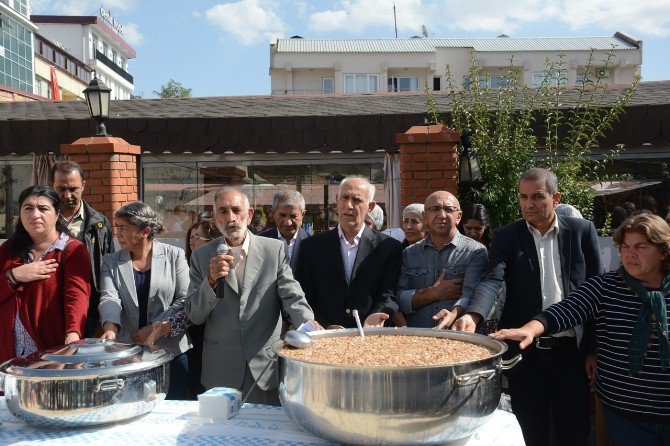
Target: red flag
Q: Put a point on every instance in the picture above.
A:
(55, 91)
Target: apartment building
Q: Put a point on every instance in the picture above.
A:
(309, 66)
(97, 42)
(16, 50)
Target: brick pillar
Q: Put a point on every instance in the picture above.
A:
(428, 162)
(110, 171)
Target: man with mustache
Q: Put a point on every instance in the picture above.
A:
(87, 225)
(239, 295)
(541, 258)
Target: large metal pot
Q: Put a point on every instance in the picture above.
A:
(86, 383)
(392, 405)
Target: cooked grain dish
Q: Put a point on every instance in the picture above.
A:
(389, 351)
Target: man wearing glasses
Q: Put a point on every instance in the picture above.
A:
(541, 259)
(86, 224)
(440, 272)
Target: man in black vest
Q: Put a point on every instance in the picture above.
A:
(87, 225)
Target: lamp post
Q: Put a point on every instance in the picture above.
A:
(97, 97)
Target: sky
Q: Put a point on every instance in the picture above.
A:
(222, 48)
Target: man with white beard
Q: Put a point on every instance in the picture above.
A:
(239, 284)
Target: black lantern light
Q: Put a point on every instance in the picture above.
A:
(97, 96)
(470, 174)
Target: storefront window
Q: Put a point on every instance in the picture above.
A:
(184, 192)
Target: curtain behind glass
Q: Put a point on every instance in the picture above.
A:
(392, 189)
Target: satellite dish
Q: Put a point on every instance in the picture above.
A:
(424, 31)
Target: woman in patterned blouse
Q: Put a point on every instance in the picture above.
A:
(44, 279)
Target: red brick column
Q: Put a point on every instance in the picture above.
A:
(110, 171)
(428, 162)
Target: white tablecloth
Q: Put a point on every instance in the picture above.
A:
(177, 423)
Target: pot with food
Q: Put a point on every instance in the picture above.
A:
(86, 383)
(394, 386)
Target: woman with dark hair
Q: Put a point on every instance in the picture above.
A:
(630, 309)
(191, 237)
(44, 279)
(205, 231)
(145, 281)
(475, 223)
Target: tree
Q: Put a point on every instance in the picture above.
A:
(173, 89)
(514, 128)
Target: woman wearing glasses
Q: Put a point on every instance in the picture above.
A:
(145, 281)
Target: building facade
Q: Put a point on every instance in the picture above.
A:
(306, 66)
(94, 42)
(55, 68)
(16, 50)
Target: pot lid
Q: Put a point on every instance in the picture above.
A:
(87, 357)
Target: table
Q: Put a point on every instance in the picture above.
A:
(177, 423)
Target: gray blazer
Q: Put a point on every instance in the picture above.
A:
(244, 318)
(167, 292)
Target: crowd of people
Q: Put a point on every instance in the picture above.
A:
(537, 282)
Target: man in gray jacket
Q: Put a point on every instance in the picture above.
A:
(239, 295)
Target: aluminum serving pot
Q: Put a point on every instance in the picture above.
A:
(392, 405)
(86, 383)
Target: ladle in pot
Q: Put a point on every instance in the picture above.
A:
(298, 339)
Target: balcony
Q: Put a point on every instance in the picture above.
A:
(114, 67)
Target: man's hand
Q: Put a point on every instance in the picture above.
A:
(441, 290)
(219, 266)
(399, 320)
(447, 317)
(467, 322)
(375, 320)
(316, 325)
(525, 334)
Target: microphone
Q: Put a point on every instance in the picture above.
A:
(222, 248)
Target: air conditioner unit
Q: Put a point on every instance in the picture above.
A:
(603, 72)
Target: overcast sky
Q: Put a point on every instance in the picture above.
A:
(222, 48)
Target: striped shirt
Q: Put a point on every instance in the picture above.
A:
(608, 299)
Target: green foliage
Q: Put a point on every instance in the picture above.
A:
(514, 128)
(173, 89)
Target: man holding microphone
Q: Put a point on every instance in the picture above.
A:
(239, 292)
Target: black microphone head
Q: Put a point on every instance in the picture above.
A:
(222, 249)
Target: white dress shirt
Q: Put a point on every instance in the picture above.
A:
(349, 251)
(549, 257)
(240, 259)
(290, 244)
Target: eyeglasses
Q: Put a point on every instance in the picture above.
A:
(447, 209)
(197, 237)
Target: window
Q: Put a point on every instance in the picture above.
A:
(361, 83)
(403, 84)
(104, 49)
(467, 82)
(328, 85)
(16, 58)
(554, 78)
(94, 45)
(437, 83)
(499, 81)
(114, 57)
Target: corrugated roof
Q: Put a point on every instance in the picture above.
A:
(415, 45)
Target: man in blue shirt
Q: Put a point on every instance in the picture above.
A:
(442, 271)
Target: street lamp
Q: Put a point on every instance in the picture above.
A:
(470, 174)
(97, 96)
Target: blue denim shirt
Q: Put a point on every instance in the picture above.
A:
(422, 264)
